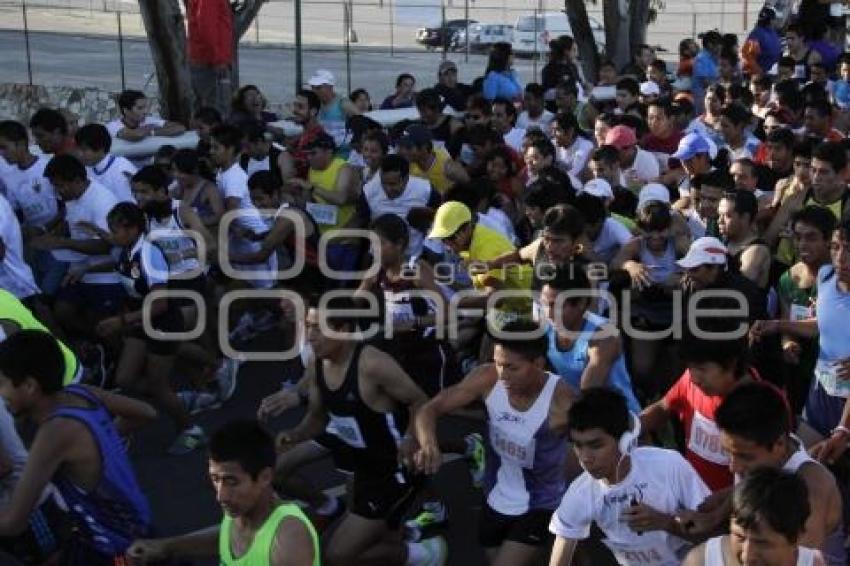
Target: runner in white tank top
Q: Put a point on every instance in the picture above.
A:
(715, 555)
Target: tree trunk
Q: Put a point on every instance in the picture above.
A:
(583, 35)
(639, 13)
(244, 13)
(167, 39)
(617, 28)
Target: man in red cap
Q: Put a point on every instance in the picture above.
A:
(639, 167)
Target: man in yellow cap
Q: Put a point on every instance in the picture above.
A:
(475, 243)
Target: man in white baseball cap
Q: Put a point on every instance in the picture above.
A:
(599, 188)
(335, 110)
(649, 92)
(653, 192)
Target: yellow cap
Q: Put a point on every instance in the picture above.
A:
(450, 216)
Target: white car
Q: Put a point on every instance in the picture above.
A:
(532, 36)
(482, 36)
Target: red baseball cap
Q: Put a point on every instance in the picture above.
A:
(621, 137)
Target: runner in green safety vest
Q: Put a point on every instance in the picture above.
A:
(14, 316)
(258, 529)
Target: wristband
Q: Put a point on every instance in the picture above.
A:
(842, 429)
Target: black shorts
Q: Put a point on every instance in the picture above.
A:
(342, 453)
(430, 363)
(169, 321)
(48, 530)
(531, 528)
(383, 496)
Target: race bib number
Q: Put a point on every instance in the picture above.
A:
(347, 430)
(704, 440)
(512, 448)
(642, 553)
(827, 375)
(325, 214)
(800, 312)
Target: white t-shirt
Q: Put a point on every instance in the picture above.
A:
(611, 238)
(117, 124)
(543, 122)
(659, 478)
(92, 206)
(114, 173)
(645, 167)
(574, 159)
(513, 139)
(29, 192)
(15, 275)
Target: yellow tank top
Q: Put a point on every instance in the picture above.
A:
(328, 216)
(13, 309)
(436, 174)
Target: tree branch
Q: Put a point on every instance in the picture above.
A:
(244, 13)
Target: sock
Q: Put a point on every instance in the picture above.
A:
(329, 507)
(416, 553)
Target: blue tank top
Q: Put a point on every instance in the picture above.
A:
(570, 364)
(832, 312)
(115, 513)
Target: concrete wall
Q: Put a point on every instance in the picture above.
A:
(20, 101)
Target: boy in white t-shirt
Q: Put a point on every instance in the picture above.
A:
(633, 494)
(111, 171)
(135, 124)
(33, 200)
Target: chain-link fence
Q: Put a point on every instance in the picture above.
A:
(365, 43)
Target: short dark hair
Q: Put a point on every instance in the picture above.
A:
(775, 497)
(65, 167)
(395, 163)
(504, 153)
(803, 148)
(567, 122)
(629, 84)
(717, 178)
(728, 352)
(736, 114)
(755, 412)
(13, 131)
(208, 115)
(245, 442)
(264, 181)
(819, 105)
(128, 98)
(662, 104)
(535, 89)
(429, 98)
(832, 153)
(379, 137)
(544, 146)
(128, 215)
(602, 408)
(568, 86)
(94, 136)
(607, 154)
(254, 132)
(816, 217)
(228, 136)
(571, 278)
(400, 79)
(152, 176)
(392, 228)
(531, 349)
(50, 120)
(655, 216)
(313, 102)
(186, 161)
(33, 354)
(783, 136)
(510, 109)
(745, 202)
(564, 219)
(591, 207)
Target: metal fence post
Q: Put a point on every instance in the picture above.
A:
(257, 29)
(444, 30)
(534, 54)
(694, 26)
(392, 29)
(27, 42)
(346, 19)
(466, 15)
(121, 52)
(299, 73)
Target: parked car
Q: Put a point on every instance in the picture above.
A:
(434, 37)
(482, 36)
(547, 27)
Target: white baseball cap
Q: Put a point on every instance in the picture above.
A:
(653, 192)
(598, 188)
(650, 88)
(322, 77)
(704, 251)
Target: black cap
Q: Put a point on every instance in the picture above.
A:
(415, 135)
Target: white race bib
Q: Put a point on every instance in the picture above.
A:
(827, 375)
(642, 553)
(704, 440)
(325, 214)
(347, 430)
(513, 449)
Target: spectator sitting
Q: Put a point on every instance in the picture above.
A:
(111, 171)
(500, 80)
(135, 124)
(404, 95)
(453, 92)
(360, 99)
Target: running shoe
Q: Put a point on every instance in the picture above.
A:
(433, 515)
(436, 552)
(187, 441)
(476, 458)
(225, 377)
(198, 401)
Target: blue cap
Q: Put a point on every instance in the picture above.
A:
(691, 145)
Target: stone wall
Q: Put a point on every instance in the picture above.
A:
(20, 101)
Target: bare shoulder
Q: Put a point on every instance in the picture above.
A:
(820, 481)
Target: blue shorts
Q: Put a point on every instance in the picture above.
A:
(823, 411)
(102, 299)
